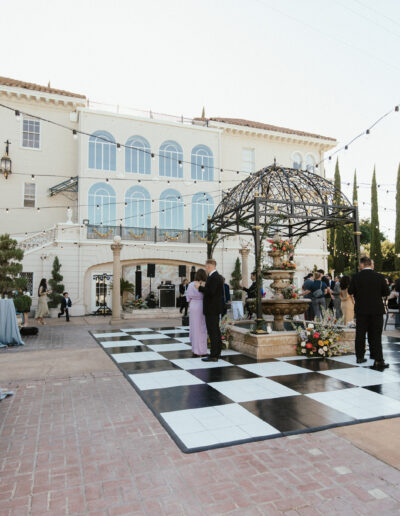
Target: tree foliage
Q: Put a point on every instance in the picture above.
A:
(235, 282)
(56, 287)
(10, 268)
(376, 251)
(397, 234)
(355, 192)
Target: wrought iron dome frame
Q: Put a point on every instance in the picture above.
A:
(287, 201)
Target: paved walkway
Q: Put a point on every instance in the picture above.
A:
(77, 439)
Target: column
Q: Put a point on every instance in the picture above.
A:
(116, 291)
(244, 252)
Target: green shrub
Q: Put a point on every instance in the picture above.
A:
(22, 303)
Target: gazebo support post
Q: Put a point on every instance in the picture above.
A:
(257, 249)
(209, 241)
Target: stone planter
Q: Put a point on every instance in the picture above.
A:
(53, 313)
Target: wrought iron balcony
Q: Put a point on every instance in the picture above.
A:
(180, 236)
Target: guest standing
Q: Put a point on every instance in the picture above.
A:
(226, 299)
(212, 308)
(42, 308)
(318, 290)
(197, 321)
(337, 302)
(182, 297)
(307, 294)
(368, 288)
(65, 306)
(347, 301)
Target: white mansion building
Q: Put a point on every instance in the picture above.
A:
(95, 173)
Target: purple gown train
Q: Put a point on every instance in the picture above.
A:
(197, 322)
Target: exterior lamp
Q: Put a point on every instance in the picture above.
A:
(5, 163)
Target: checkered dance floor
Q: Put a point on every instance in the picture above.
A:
(207, 405)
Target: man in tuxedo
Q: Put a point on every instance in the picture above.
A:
(65, 304)
(368, 288)
(213, 291)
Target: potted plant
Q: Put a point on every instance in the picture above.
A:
(126, 287)
(237, 296)
(56, 288)
(23, 304)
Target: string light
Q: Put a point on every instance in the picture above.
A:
(74, 134)
(118, 147)
(33, 177)
(17, 115)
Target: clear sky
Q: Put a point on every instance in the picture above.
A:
(325, 66)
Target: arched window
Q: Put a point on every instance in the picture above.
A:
(171, 210)
(310, 163)
(137, 207)
(297, 160)
(101, 201)
(102, 151)
(170, 156)
(202, 163)
(138, 159)
(202, 207)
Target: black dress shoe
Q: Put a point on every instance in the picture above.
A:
(379, 366)
(361, 360)
(210, 359)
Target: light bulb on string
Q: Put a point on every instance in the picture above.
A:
(152, 156)
(74, 134)
(33, 177)
(17, 115)
(118, 147)
(7, 210)
(180, 164)
(38, 209)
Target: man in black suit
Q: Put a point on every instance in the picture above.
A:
(251, 294)
(65, 304)
(368, 288)
(213, 291)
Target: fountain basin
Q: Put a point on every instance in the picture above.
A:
(281, 307)
(278, 274)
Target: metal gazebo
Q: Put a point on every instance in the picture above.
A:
(287, 201)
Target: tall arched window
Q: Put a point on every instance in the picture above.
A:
(310, 163)
(101, 201)
(297, 160)
(102, 151)
(202, 163)
(171, 210)
(202, 207)
(138, 159)
(137, 207)
(170, 156)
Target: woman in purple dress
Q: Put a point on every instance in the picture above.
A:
(197, 322)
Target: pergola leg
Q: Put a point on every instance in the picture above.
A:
(257, 249)
(209, 242)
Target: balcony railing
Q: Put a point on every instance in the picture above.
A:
(180, 236)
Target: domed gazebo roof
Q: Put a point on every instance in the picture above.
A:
(289, 201)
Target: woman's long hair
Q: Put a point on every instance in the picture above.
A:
(344, 282)
(43, 283)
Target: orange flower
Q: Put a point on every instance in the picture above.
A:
(320, 343)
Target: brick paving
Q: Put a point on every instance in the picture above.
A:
(87, 444)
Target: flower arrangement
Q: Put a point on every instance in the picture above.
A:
(290, 292)
(284, 246)
(288, 265)
(137, 304)
(223, 326)
(321, 339)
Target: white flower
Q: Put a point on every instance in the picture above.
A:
(303, 344)
(321, 351)
(303, 350)
(311, 326)
(325, 348)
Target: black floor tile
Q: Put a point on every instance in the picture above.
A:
(307, 383)
(107, 331)
(392, 390)
(148, 342)
(319, 364)
(243, 360)
(147, 366)
(185, 397)
(164, 328)
(173, 355)
(178, 335)
(222, 374)
(390, 346)
(142, 332)
(116, 339)
(127, 349)
(294, 413)
(387, 338)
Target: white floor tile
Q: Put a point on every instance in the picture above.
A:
(248, 422)
(185, 340)
(229, 352)
(197, 363)
(120, 343)
(137, 357)
(115, 334)
(168, 347)
(252, 389)
(137, 329)
(199, 439)
(295, 357)
(151, 336)
(362, 376)
(277, 368)
(164, 379)
(358, 403)
(351, 359)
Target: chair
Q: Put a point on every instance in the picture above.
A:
(389, 311)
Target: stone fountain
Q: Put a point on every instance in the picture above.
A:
(282, 278)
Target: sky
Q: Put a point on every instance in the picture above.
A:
(330, 67)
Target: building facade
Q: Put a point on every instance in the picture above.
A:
(81, 175)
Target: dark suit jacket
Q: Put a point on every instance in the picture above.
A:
(66, 302)
(251, 291)
(368, 288)
(213, 294)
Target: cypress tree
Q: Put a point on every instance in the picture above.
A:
(355, 192)
(57, 288)
(376, 250)
(339, 249)
(397, 234)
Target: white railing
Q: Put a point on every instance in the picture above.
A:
(38, 240)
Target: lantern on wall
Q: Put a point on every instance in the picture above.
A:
(5, 163)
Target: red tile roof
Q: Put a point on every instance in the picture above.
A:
(5, 81)
(267, 127)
